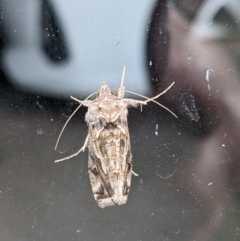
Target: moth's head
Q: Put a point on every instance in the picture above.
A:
(105, 90)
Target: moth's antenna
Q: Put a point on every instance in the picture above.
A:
(70, 119)
(153, 98)
(123, 75)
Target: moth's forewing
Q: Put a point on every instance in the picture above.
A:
(109, 190)
(110, 176)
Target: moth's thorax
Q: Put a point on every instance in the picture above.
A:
(111, 110)
(107, 108)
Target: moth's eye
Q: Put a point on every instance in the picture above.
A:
(112, 92)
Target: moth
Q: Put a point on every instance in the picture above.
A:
(110, 164)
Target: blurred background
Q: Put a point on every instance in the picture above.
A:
(188, 183)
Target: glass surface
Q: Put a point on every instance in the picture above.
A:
(188, 167)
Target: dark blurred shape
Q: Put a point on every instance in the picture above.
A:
(158, 42)
(53, 40)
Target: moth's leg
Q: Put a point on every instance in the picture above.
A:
(77, 100)
(155, 97)
(85, 102)
(134, 103)
(134, 173)
(141, 103)
(75, 154)
(81, 103)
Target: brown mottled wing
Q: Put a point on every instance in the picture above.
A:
(110, 166)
